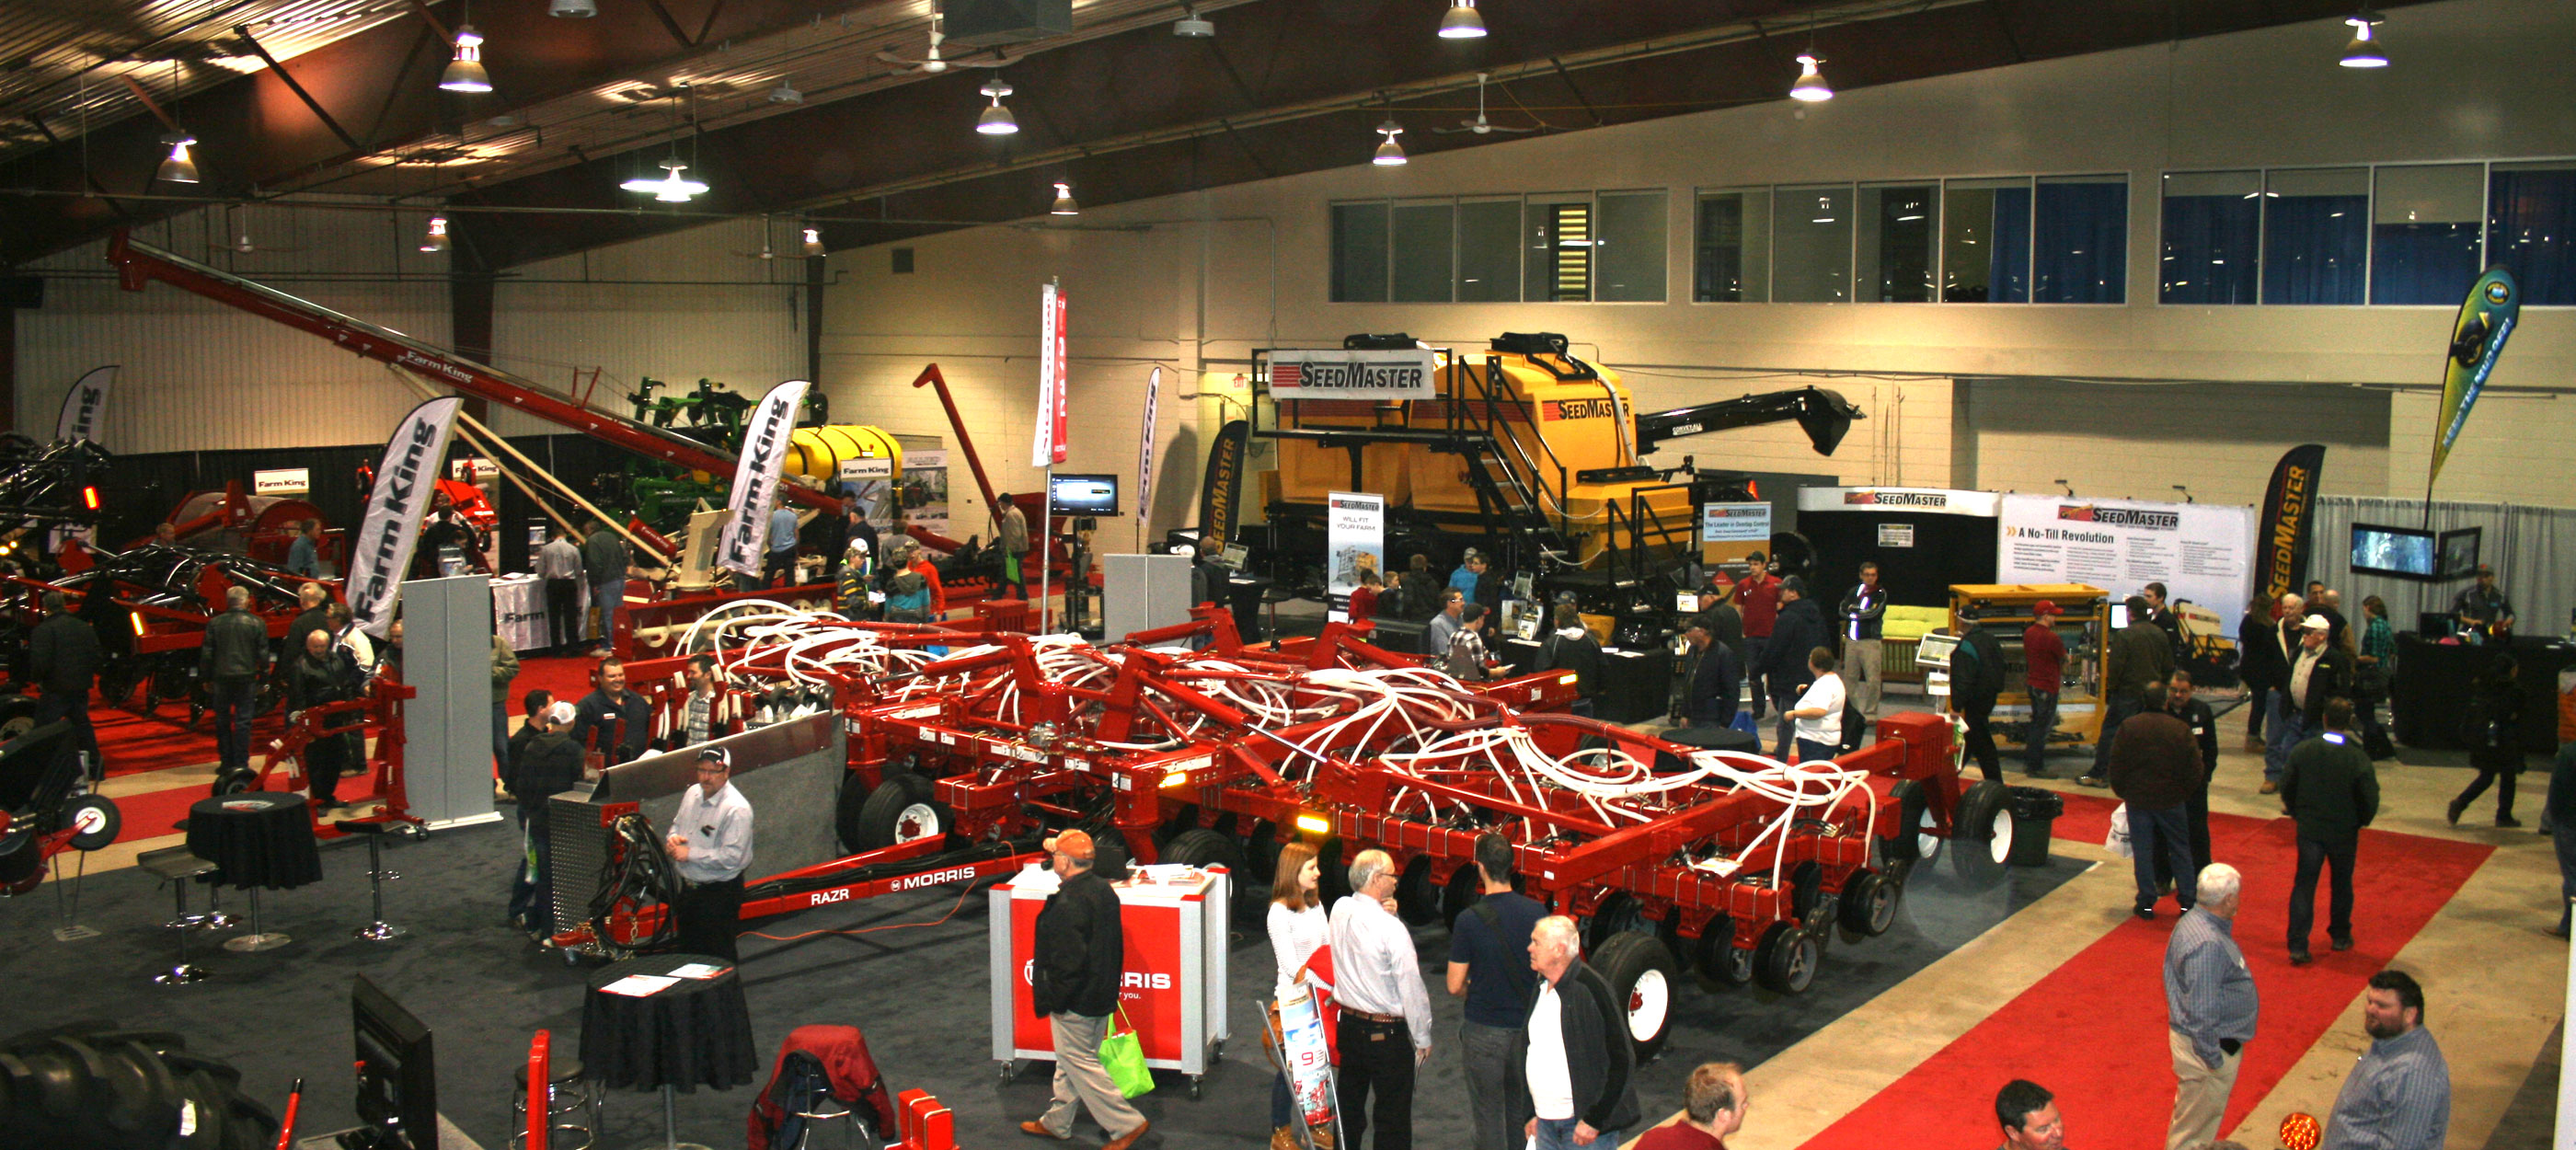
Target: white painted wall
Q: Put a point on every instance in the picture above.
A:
(197, 374)
(1212, 275)
(200, 375)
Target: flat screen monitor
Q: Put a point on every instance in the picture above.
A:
(2119, 615)
(1083, 494)
(397, 1076)
(2402, 552)
(2459, 553)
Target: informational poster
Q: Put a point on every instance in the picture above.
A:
(1355, 538)
(1896, 535)
(1729, 532)
(2201, 552)
(922, 493)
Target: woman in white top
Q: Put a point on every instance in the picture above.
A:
(1819, 713)
(1297, 930)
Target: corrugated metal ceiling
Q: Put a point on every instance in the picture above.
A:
(63, 62)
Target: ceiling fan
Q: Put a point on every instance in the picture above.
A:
(1480, 126)
(934, 63)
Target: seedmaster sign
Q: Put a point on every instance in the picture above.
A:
(1373, 375)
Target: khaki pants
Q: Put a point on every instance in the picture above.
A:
(1080, 1080)
(2200, 1093)
(1866, 657)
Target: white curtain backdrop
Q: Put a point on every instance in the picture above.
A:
(2533, 551)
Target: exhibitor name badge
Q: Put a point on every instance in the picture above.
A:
(1371, 375)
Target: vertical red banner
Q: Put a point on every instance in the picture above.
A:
(1063, 354)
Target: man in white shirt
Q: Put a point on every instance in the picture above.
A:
(710, 845)
(1819, 713)
(1385, 1031)
(559, 567)
(1580, 1061)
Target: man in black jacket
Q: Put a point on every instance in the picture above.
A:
(2332, 791)
(1715, 679)
(2204, 734)
(1571, 647)
(1795, 634)
(613, 722)
(547, 764)
(1074, 972)
(321, 674)
(230, 663)
(62, 654)
(1580, 1062)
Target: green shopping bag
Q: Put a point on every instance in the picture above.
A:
(1124, 1057)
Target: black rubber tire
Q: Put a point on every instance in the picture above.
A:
(235, 782)
(882, 818)
(1201, 847)
(1973, 849)
(1806, 886)
(1717, 961)
(1644, 975)
(1617, 914)
(1109, 855)
(1905, 845)
(1466, 887)
(1334, 881)
(1417, 899)
(17, 716)
(1787, 959)
(846, 806)
(98, 1088)
(1869, 903)
(93, 821)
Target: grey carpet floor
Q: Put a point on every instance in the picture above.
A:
(919, 993)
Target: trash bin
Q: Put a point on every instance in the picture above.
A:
(2035, 811)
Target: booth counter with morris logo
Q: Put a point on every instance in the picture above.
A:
(1172, 990)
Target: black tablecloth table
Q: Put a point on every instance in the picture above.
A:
(259, 838)
(2436, 680)
(692, 1032)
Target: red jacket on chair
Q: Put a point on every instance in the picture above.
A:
(843, 1053)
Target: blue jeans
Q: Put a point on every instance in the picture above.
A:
(2288, 725)
(2043, 719)
(2164, 830)
(1811, 751)
(608, 595)
(1497, 1090)
(1558, 1134)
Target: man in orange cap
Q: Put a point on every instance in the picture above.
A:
(1075, 963)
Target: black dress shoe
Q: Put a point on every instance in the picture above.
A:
(2146, 912)
(2343, 944)
(2301, 958)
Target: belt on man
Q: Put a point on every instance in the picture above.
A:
(1364, 1016)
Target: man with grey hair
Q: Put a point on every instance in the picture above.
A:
(230, 663)
(2210, 1006)
(1580, 1061)
(1385, 1031)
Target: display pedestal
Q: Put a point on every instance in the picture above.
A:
(1173, 984)
(447, 727)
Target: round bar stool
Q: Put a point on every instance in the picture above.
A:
(566, 1094)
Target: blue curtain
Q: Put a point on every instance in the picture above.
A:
(2423, 263)
(2008, 269)
(2531, 230)
(2208, 255)
(2082, 244)
(2314, 249)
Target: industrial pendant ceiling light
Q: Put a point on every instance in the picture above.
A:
(996, 120)
(436, 241)
(573, 9)
(178, 168)
(813, 241)
(465, 73)
(1389, 154)
(1462, 22)
(672, 188)
(1064, 205)
(1811, 86)
(1193, 26)
(2364, 50)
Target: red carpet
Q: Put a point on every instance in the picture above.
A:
(150, 814)
(2093, 1031)
(130, 743)
(2088, 818)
